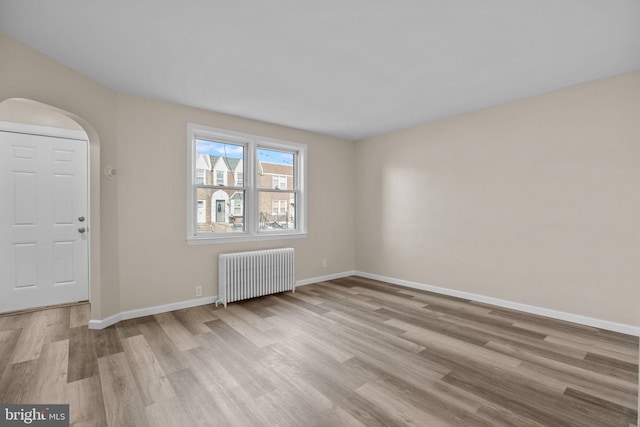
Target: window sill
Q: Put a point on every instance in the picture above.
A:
(245, 238)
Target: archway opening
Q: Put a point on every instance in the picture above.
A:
(27, 112)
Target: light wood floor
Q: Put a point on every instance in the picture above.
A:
(347, 352)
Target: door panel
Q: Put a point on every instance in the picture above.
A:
(25, 266)
(24, 198)
(43, 188)
(62, 199)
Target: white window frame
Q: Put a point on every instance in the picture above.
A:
(250, 213)
(236, 175)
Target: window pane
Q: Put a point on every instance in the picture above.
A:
(220, 211)
(220, 176)
(279, 182)
(275, 169)
(218, 163)
(277, 210)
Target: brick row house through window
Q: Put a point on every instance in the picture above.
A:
(222, 209)
(277, 210)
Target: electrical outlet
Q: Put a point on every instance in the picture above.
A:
(198, 291)
(324, 262)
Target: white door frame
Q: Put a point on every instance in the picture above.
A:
(80, 135)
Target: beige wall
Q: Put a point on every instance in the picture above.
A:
(142, 258)
(534, 201)
(25, 73)
(156, 264)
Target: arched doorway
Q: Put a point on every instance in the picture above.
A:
(47, 233)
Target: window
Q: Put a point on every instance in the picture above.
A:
(279, 182)
(279, 207)
(201, 176)
(220, 177)
(256, 187)
(237, 204)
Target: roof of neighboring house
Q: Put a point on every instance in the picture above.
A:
(230, 162)
(276, 168)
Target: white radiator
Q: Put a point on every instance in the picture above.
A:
(243, 275)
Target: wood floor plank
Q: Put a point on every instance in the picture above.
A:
(378, 331)
(346, 352)
(79, 315)
(177, 333)
(83, 360)
(86, 403)
(581, 383)
(51, 376)
(8, 341)
(400, 410)
(128, 328)
(31, 339)
(151, 380)
(17, 382)
(592, 347)
(193, 319)
(58, 321)
(560, 366)
(199, 406)
(258, 322)
(168, 413)
(123, 404)
(337, 416)
(456, 346)
(107, 341)
(254, 335)
(238, 356)
(163, 348)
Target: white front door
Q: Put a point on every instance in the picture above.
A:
(220, 211)
(43, 221)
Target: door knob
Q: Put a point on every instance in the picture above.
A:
(81, 219)
(81, 230)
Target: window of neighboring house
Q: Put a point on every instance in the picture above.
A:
(279, 182)
(237, 204)
(279, 207)
(201, 176)
(266, 198)
(220, 177)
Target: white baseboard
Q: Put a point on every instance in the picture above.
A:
(554, 314)
(147, 311)
(313, 280)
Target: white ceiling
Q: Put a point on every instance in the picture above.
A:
(347, 68)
